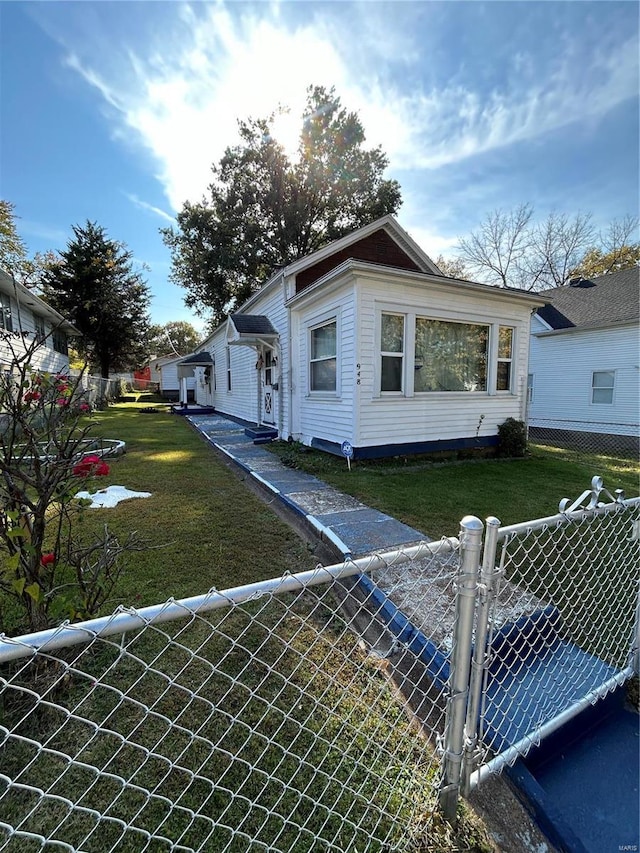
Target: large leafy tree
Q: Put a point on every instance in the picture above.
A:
(174, 338)
(94, 285)
(265, 209)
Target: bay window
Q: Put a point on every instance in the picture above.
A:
(450, 356)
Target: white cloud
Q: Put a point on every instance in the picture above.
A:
(143, 205)
(181, 103)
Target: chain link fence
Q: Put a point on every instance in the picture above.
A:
(581, 436)
(334, 710)
(577, 638)
(263, 718)
(99, 392)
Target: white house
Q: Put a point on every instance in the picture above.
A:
(366, 341)
(585, 355)
(165, 371)
(24, 316)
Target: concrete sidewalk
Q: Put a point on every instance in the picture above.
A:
(352, 527)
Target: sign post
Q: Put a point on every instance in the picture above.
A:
(347, 452)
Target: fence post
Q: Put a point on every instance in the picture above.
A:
(466, 589)
(486, 595)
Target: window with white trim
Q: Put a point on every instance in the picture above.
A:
(392, 352)
(228, 368)
(6, 321)
(529, 388)
(505, 358)
(41, 333)
(602, 385)
(450, 356)
(323, 357)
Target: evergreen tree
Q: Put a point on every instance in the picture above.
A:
(94, 285)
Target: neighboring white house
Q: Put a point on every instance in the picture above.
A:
(165, 371)
(585, 356)
(24, 316)
(366, 341)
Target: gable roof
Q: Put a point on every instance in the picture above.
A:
(343, 247)
(592, 303)
(37, 306)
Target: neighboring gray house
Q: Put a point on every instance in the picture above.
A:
(23, 315)
(584, 362)
(366, 341)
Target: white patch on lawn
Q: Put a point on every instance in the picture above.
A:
(109, 497)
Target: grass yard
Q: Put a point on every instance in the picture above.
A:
(260, 726)
(434, 497)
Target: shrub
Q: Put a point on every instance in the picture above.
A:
(512, 438)
(45, 459)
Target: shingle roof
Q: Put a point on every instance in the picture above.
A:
(198, 359)
(252, 324)
(603, 301)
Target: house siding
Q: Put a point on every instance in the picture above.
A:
(562, 365)
(242, 401)
(378, 248)
(326, 416)
(435, 416)
(44, 358)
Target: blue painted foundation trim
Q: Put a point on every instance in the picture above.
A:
(437, 663)
(410, 449)
(524, 639)
(542, 809)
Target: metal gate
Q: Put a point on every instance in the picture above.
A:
(552, 627)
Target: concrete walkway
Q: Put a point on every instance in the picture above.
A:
(352, 527)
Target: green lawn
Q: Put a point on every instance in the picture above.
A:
(433, 497)
(265, 725)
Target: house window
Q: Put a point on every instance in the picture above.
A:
(450, 356)
(392, 352)
(60, 342)
(529, 388)
(228, 368)
(6, 321)
(323, 359)
(602, 384)
(41, 333)
(268, 367)
(505, 358)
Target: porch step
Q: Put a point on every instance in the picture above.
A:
(261, 434)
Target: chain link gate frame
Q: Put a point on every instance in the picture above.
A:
(514, 683)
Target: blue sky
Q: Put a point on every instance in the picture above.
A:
(114, 111)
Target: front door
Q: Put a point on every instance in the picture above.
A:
(268, 394)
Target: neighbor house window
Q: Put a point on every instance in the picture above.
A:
(450, 356)
(228, 368)
(41, 333)
(323, 359)
(392, 352)
(60, 342)
(6, 322)
(602, 383)
(530, 388)
(505, 358)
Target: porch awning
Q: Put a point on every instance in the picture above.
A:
(250, 330)
(196, 359)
